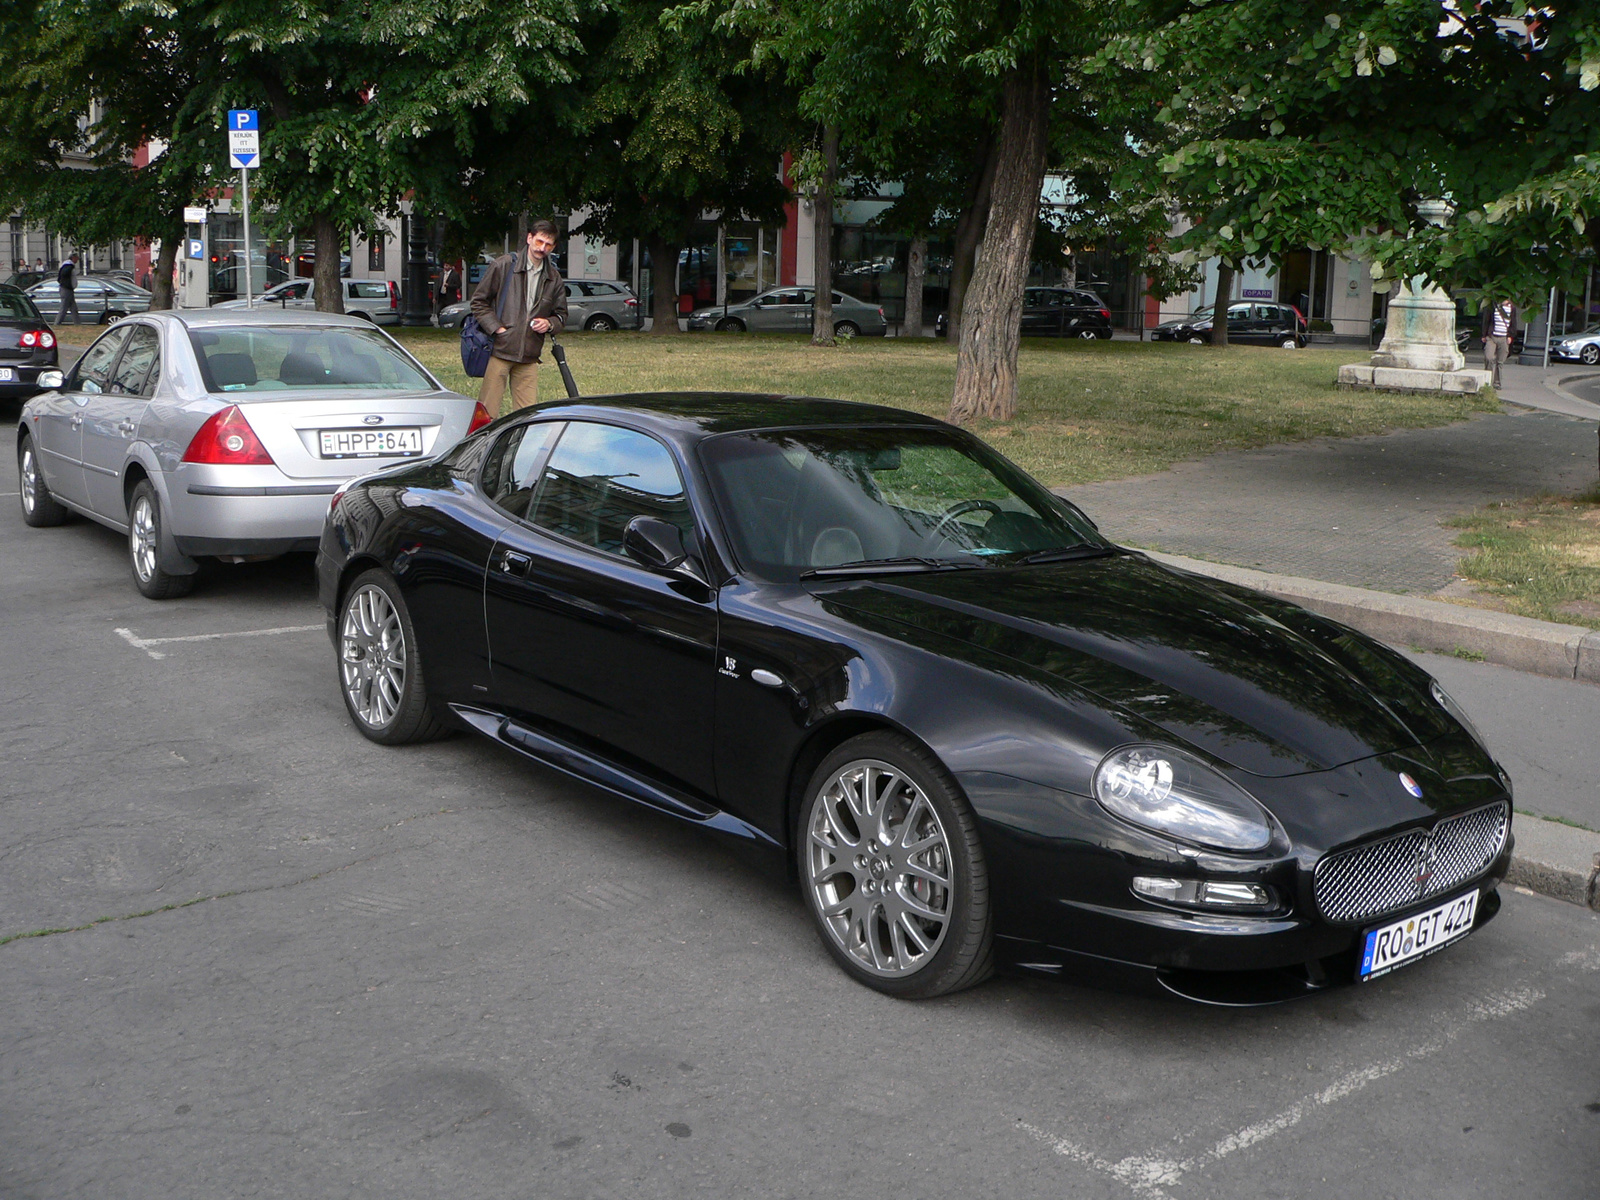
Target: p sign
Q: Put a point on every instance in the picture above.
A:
(244, 138)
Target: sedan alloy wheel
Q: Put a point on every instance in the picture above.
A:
(39, 507)
(1590, 354)
(144, 547)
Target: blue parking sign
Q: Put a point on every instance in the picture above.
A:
(242, 118)
(197, 248)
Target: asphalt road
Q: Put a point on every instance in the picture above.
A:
(445, 971)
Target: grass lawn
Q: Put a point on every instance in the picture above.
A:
(1539, 557)
(1089, 410)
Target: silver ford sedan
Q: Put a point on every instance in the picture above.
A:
(214, 434)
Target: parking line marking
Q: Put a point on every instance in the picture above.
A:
(146, 644)
(1146, 1175)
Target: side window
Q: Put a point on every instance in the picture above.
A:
(508, 472)
(297, 291)
(572, 291)
(602, 289)
(144, 349)
(94, 369)
(373, 290)
(1239, 312)
(599, 478)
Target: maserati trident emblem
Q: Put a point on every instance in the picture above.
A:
(1411, 785)
(1427, 859)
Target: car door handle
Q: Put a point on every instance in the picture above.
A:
(126, 428)
(766, 678)
(75, 421)
(512, 563)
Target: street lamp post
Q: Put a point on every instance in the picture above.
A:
(417, 311)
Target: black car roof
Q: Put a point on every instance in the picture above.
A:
(692, 416)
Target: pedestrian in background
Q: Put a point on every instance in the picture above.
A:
(1501, 322)
(535, 305)
(65, 279)
(449, 285)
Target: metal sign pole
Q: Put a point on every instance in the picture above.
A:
(244, 188)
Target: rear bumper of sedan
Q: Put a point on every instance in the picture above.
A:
(248, 511)
(24, 381)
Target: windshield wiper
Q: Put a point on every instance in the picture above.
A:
(885, 566)
(1064, 554)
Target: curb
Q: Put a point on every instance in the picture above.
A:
(1550, 858)
(1539, 647)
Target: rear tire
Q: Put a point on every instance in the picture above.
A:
(846, 329)
(145, 523)
(1087, 335)
(380, 672)
(39, 507)
(893, 873)
(600, 323)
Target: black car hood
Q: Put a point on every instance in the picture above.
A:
(1217, 667)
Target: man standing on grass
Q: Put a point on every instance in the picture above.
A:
(535, 304)
(1500, 324)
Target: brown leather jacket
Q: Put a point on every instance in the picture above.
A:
(519, 344)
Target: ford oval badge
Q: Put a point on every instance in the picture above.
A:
(373, 420)
(1411, 785)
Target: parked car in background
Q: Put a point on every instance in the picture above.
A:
(229, 281)
(1577, 347)
(1251, 322)
(203, 433)
(1055, 312)
(376, 300)
(23, 280)
(27, 345)
(100, 298)
(788, 310)
(599, 305)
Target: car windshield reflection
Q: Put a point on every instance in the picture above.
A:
(275, 357)
(818, 502)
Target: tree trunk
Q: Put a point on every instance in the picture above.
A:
(822, 250)
(327, 286)
(1219, 309)
(663, 285)
(991, 324)
(916, 273)
(969, 228)
(161, 276)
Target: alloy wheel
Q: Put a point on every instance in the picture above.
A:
(879, 868)
(372, 656)
(1590, 354)
(30, 480)
(142, 538)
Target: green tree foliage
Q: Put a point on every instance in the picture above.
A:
(1311, 124)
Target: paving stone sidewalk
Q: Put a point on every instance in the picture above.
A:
(1361, 511)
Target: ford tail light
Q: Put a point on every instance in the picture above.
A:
(226, 438)
(480, 417)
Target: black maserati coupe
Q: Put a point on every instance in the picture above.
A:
(976, 730)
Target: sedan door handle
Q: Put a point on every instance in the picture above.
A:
(75, 421)
(126, 428)
(512, 563)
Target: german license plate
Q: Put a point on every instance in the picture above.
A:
(370, 443)
(1391, 946)
(7, 375)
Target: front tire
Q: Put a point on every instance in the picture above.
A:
(600, 323)
(730, 325)
(1590, 355)
(892, 870)
(1197, 340)
(380, 672)
(39, 507)
(1290, 343)
(145, 522)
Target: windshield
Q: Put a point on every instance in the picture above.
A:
(271, 358)
(798, 501)
(14, 306)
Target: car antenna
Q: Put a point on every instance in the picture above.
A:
(558, 351)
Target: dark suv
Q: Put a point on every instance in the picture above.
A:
(1057, 312)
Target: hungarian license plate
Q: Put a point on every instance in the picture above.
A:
(1391, 946)
(370, 443)
(7, 375)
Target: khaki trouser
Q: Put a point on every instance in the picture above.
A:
(524, 379)
(1496, 350)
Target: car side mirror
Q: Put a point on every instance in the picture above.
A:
(52, 381)
(654, 543)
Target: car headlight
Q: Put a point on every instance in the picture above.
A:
(1444, 700)
(1173, 792)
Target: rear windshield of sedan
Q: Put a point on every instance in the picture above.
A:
(799, 500)
(273, 358)
(14, 306)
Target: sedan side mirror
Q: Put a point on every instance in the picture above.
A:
(654, 543)
(52, 381)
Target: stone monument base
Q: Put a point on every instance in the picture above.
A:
(1407, 379)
